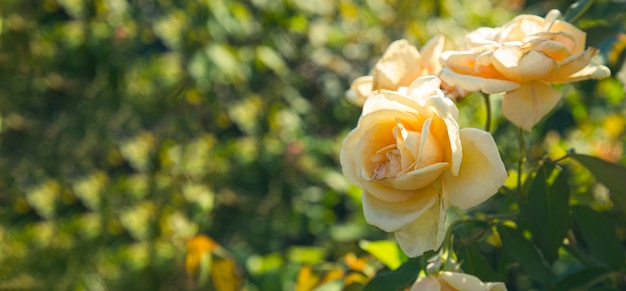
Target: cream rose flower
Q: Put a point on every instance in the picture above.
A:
(412, 161)
(451, 281)
(400, 65)
(523, 58)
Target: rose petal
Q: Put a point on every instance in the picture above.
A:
(425, 233)
(474, 83)
(483, 37)
(460, 281)
(399, 66)
(357, 167)
(518, 67)
(431, 52)
(482, 172)
(550, 19)
(424, 88)
(419, 178)
(594, 72)
(389, 100)
(520, 27)
(528, 104)
(495, 286)
(569, 68)
(360, 88)
(450, 142)
(426, 284)
(554, 49)
(393, 216)
(578, 35)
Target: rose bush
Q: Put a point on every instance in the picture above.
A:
(450, 281)
(411, 160)
(399, 66)
(523, 58)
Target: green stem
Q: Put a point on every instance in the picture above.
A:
(488, 109)
(491, 219)
(521, 160)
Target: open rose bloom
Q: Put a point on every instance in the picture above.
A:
(451, 281)
(523, 58)
(399, 66)
(412, 161)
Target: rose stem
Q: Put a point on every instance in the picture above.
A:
(520, 162)
(488, 109)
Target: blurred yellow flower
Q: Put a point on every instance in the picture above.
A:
(206, 258)
(522, 58)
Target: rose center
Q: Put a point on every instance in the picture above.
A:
(412, 151)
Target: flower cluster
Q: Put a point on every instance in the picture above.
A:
(408, 153)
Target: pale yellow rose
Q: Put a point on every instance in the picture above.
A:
(451, 281)
(412, 161)
(400, 65)
(523, 58)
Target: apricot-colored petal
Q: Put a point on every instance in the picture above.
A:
(419, 178)
(522, 67)
(554, 49)
(431, 53)
(578, 35)
(360, 88)
(424, 88)
(593, 72)
(399, 66)
(393, 216)
(550, 19)
(425, 233)
(483, 37)
(460, 281)
(528, 104)
(427, 283)
(578, 68)
(482, 171)
(408, 143)
(389, 100)
(520, 27)
(476, 83)
(448, 137)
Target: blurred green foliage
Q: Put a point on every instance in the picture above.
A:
(127, 127)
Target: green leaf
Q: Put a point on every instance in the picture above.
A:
(577, 9)
(524, 252)
(548, 210)
(610, 174)
(474, 262)
(599, 234)
(397, 279)
(385, 251)
(580, 280)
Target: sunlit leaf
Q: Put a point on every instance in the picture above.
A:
(271, 59)
(609, 174)
(599, 235)
(524, 252)
(306, 255)
(224, 274)
(577, 9)
(384, 250)
(548, 210)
